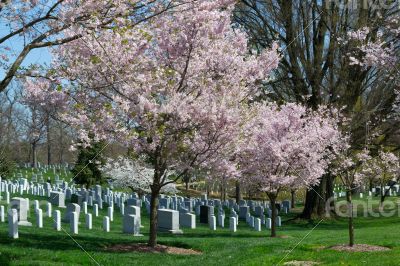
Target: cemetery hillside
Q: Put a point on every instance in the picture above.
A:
(199, 132)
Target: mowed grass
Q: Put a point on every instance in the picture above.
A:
(299, 240)
(305, 241)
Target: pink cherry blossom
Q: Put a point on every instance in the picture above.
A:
(285, 147)
(172, 89)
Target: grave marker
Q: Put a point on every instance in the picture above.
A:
(168, 220)
(57, 220)
(13, 223)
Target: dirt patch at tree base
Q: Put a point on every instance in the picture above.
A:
(359, 248)
(158, 249)
(300, 263)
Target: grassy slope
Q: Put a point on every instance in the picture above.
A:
(27, 172)
(245, 247)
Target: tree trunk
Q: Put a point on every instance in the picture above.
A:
(187, 186)
(34, 155)
(292, 199)
(221, 191)
(351, 226)
(238, 194)
(382, 195)
(224, 192)
(29, 158)
(370, 184)
(153, 217)
(272, 199)
(316, 198)
(386, 192)
(48, 140)
(61, 153)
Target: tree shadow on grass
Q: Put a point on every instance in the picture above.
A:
(6, 258)
(97, 244)
(62, 243)
(65, 243)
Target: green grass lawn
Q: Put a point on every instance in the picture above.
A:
(245, 247)
(300, 241)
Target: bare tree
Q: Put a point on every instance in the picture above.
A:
(316, 66)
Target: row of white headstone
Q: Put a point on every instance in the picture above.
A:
(253, 222)
(131, 223)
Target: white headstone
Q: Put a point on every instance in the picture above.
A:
(7, 194)
(213, 222)
(21, 205)
(122, 209)
(88, 220)
(57, 220)
(221, 220)
(134, 210)
(110, 212)
(268, 223)
(257, 224)
(168, 220)
(106, 224)
(39, 218)
(2, 218)
(49, 209)
(73, 219)
(96, 210)
(232, 224)
(13, 223)
(131, 225)
(100, 203)
(187, 220)
(84, 207)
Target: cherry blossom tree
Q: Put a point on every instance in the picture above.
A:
(46, 106)
(36, 24)
(133, 174)
(171, 89)
(347, 165)
(284, 147)
(382, 169)
(222, 169)
(378, 49)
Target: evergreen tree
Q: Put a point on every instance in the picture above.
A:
(86, 170)
(7, 165)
